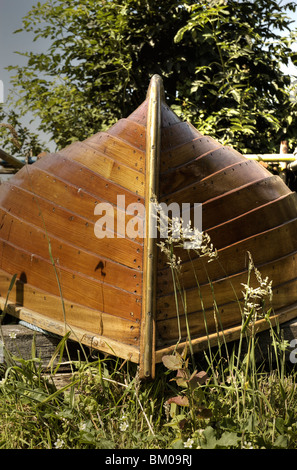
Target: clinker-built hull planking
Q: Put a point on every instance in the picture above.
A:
(116, 293)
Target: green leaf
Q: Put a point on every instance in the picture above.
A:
(223, 65)
(281, 442)
(210, 438)
(173, 362)
(236, 95)
(177, 444)
(228, 439)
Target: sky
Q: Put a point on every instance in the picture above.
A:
(11, 14)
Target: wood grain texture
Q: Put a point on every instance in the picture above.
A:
(23, 295)
(81, 335)
(231, 259)
(47, 234)
(201, 343)
(244, 209)
(47, 238)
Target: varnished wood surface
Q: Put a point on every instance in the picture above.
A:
(218, 183)
(101, 188)
(229, 315)
(229, 288)
(69, 196)
(244, 208)
(67, 225)
(231, 259)
(79, 316)
(131, 133)
(34, 240)
(200, 343)
(115, 171)
(89, 338)
(75, 287)
(198, 169)
(53, 201)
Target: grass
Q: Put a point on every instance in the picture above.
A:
(106, 406)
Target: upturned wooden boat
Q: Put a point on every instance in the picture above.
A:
(115, 293)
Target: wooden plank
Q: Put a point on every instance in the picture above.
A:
(217, 184)
(80, 335)
(76, 287)
(118, 149)
(33, 239)
(68, 226)
(96, 322)
(140, 114)
(76, 200)
(168, 117)
(231, 259)
(177, 134)
(186, 152)
(230, 334)
(82, 177)
(228, 314)
(168, 330)
(14, 162)
(230, 288)
(18, 340)
(199, 168)
(109, 168)
(253, 222)
(130, 131)
(242, 200)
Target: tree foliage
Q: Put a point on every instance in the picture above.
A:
(16, 138)
(220, 61)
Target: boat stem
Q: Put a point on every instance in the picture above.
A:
(155, 96)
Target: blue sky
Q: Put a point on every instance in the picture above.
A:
(11, 13)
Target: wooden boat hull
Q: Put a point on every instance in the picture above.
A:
(115, 293)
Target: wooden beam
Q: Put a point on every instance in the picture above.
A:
(231, 334)
(18, 341)
(79, 335)
(155, 96)
(272, 157)
(11, 160)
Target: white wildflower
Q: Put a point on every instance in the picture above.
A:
(12, 335)
(59, 443)
(177, 232)
(124, 425)
(256, 297)
(247, 445)
(189, 443)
